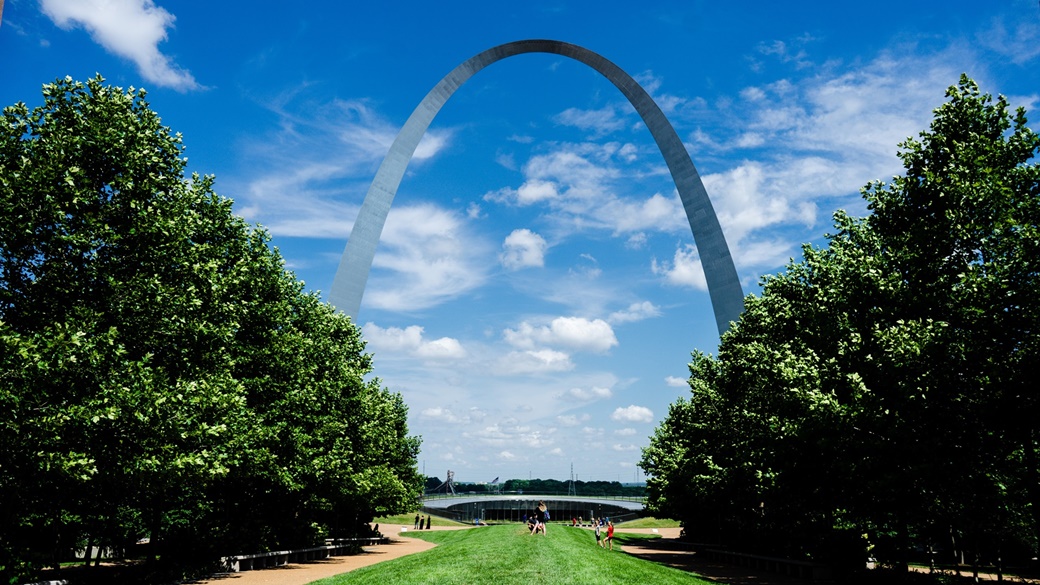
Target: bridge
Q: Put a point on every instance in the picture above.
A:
(513, 507)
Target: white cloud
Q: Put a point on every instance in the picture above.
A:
(446, 415)
(131, 29)
(442, 414)
(426, 255)
(1021, 44)
(635, 312)
(625, 432)
(582, 182)
(322, 155)
(786, 53)
(636, 241)
(534, 362)
(629, 447)
(658, 213)
(523, 248)
(602, 121)
(510, 436)
(593, 393)
(392, 338)
(676, 382)
(594, 335)
(684, 270)
(633, 413)
(572, 420)
(816, 140)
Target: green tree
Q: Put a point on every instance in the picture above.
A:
(162, 372)
(878, 386)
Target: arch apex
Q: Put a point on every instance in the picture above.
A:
(724, 288)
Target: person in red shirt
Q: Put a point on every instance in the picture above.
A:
(610, 535)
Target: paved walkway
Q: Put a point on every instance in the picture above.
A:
(303, 573)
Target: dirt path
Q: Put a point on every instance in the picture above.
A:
(303, 573)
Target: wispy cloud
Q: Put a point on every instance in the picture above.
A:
(308, 178)
(534, 362)
(131, 29)
(426, 255)
(572, 420)
(588, 185)
(601, 122)
(635, 312)
(1019, 42)
(588, 394)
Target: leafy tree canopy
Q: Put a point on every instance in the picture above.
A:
(878, 394)
(163, 375)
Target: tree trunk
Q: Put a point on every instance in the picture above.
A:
(86, 553)
(1033, 485)
(155, 526)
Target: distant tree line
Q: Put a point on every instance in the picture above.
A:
(546, 486)
(163, 378)
(879, 399)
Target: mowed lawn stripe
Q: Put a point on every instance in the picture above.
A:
(503, 555)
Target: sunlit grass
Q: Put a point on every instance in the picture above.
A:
(649, 522)
(408, 520)
(507, 554)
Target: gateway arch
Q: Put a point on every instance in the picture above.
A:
(727, 297)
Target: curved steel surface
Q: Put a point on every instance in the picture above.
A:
(727, 297)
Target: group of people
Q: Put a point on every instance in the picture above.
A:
(420, 519)
(538, 518)
(598, 524)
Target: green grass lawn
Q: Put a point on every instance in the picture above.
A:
(649, 522)
(409, 521)
(508, 554)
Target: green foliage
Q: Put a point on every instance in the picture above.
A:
(163, 376)
(878, 392)
(581, 488)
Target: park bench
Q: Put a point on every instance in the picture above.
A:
(802, 569)
(333, 547)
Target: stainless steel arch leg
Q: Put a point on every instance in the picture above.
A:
(727, 297)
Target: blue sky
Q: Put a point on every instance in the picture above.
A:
(536, 293)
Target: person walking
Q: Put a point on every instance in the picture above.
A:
(422, 519)
(416, 527)
(610, 535)
(429, 518)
